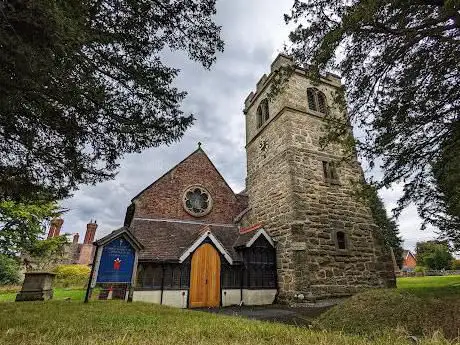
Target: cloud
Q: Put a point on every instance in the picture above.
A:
(254, 33)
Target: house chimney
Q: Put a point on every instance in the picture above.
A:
(55, 227)
(76, 236)
(90, 232)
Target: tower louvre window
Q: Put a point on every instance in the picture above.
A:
(311, 99)
(262, 113)
(316, 100)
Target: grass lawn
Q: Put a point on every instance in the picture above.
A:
(431, 286)
(59, 294)
(117, 323)
(420, 306)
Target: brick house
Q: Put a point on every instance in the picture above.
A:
(409, 261)
(76, 253)
(295, 233)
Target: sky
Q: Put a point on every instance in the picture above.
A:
(254, 33)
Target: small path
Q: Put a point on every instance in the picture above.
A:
(298, 316)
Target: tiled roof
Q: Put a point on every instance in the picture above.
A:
(167, 240)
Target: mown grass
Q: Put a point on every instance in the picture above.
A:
(117, 323)
(431, 286)
(420, 306)
(58, 294)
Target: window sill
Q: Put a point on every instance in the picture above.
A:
(343, 252)
(316, 113)
(334, 182)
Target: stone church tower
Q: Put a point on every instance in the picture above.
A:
(327, 243)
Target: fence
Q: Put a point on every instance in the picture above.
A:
(429, 273)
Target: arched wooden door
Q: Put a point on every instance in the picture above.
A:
(205, 277)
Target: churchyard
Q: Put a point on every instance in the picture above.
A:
(425, 307)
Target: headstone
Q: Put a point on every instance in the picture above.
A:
(37, 286)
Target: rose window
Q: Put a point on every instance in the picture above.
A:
(197, 201)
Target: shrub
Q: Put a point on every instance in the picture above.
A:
(420, 269)
(456, 265)
(9, 270)
(72, 275)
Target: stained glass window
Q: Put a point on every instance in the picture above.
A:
(197, 201)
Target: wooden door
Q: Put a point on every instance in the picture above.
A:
(205, 277)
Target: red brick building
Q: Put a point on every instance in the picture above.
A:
(195, 254)
(409, 261)
(76, 253)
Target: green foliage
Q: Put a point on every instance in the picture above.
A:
(455, 265)
(84, 82)
(388, 227)
(420, 269)
(401, 66)
(46, 254)
(9, 270)
(439, 259)
(21, 224)
(441, 206)
(435, 255)
(72, 275)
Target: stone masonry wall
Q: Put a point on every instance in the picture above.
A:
(301, 211)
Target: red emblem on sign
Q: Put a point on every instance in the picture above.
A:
(116, 264)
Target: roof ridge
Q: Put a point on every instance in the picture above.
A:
(199, 149)
(184, 221)
(245, 230)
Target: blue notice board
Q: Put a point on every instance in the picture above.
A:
(117, 262)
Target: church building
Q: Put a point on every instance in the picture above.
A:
(294, 234)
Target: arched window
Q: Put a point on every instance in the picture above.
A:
(259, 117)
(316, 100)
(262, 113)
(341, 240)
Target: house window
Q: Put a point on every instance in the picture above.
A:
(341, 240)
(330, 171)
(316, 100)
(262, 113)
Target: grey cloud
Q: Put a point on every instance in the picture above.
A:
(254, 32)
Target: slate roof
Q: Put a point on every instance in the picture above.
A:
(166, 241)
(406, 253)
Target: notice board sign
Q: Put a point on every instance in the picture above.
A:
(117, 262)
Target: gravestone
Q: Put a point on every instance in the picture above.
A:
(37, 286)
